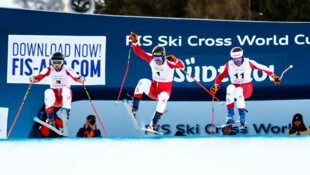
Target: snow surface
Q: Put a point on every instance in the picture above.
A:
(164, 156)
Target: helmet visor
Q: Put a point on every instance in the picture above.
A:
(238, 60)
(59, 62)
(158, 58)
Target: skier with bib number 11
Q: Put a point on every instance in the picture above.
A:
(239, 70)
(159, 88)
(59, 95)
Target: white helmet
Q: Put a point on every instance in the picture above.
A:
(236, 52)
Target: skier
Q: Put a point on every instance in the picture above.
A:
(59, 95)
(239, 70)
(159, 88)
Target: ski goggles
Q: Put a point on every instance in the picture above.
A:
(238, 60)
(158, 58)
(59, 62)
(297, 120)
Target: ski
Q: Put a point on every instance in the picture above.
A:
(228, 124)
(127, 105)
(36, 119)
(152, 131)
(64, 118)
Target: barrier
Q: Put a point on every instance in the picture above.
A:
(96, 46)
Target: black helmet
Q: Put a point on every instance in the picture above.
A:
(159, 51)
(297, 117)
(58, 56)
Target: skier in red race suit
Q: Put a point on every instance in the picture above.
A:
(239, 70)
(159, 88)
(59, 95)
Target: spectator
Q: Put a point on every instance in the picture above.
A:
(89, 129)
(298, 126)
(228, 130)
(180, 133)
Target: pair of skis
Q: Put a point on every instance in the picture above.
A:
(229, 124)
(127, 104)
(64, 118)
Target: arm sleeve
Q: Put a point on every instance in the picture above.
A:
(222, 75)
(72, 74)
(141, 53)
(255, 65)
(178, 64)
(44, 73)
(80, 133)
(97, 133)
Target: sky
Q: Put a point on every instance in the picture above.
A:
(156, 155)
(7, 3)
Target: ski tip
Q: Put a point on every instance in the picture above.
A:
(151, 131)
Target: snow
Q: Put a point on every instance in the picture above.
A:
(158, 155)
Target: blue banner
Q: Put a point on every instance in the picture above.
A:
(204, 46)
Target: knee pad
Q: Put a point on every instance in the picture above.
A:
(163, 97)
(143, 86)
(240, 98)
(230, 94)
(66, 92)
(66, 98)
(239, 93)
(49, 98)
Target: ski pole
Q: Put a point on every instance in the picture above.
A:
(20, 108)
(290, 67)
(202, 86)
(92, 104)
(124, 77)
(212, 114)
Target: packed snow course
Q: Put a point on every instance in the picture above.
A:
(156, 155)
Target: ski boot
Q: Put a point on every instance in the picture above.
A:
(134, 111)
(65, 120)
(155, 119)
(242, 118)
(230, 116)
(50, 119)
(153, 127)
(135, 106)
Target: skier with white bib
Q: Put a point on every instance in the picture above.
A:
(159, 88)
(59, 95)
(239, 70)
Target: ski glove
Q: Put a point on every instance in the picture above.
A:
(133, 37)
(81, 79)
(171, 58)
(214, 89)
(33, 79)
(276, 79)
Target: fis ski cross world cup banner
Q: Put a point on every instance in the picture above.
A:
(98, 48)
(30, 54)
